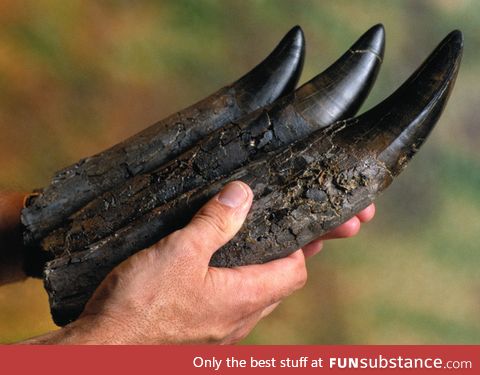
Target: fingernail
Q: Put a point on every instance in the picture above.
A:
(233, 195)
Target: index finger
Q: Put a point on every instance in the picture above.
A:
(262, 285)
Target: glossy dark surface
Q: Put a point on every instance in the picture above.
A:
(330, 96)
(399, 125)
(341, 90)
(335, 94)
(316, 185)
(77, 184)
(301, 192)
(274, 77)
(288, 120)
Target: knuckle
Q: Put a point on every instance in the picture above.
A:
(302, 276)
(178, 248)
(297, 276)
(171, 243)
(190, 246)
(252, 298)
(264, 293)
(247, 300)
(261, 296)
(214, 220)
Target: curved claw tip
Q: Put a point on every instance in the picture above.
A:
(455, 38)
(340, 90)
(295, 36)
(398, 126)
(275, 76)
(372, 41)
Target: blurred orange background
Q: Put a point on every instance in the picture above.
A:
(78, 76)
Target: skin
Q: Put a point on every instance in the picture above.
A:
(167, 293)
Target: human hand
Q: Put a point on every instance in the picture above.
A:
(168, 293)
(348, 229)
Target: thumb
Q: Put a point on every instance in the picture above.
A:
(218, 220)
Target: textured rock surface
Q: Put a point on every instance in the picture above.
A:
(76, 185)
(335, 94)
(301, 192)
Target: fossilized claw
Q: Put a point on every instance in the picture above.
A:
(398, 126)
(320, 183)
(76, 185)
(301, 192)
(332, 95)
(340, 90)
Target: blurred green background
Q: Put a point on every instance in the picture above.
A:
(78, 76)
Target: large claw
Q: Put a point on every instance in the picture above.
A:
(340, 91)
(332, 95)
(277, 75)
(320, 183)
(398, 126)
(74, 186)
(300, 193)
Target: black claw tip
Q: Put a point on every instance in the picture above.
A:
(295, 37)
(275, 76)
(398, 126)
(372, 41)
(339, 91)
(455, 38)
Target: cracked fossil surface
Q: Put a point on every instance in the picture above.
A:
(236, 144)
(310, 164)
(77, 184)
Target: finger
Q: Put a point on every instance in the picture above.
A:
(245, 326)
(367, 214)
(268, 310)
(262, 285)
(217, 221)
(348, 229)
(312, 248)
(345, 230)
